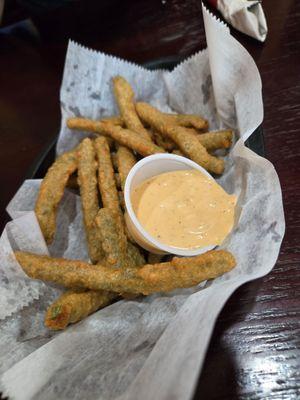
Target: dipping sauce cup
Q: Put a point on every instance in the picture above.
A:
(147, 168)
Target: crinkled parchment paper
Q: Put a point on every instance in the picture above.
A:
(150, 348)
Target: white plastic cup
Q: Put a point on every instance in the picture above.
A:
(147, 168)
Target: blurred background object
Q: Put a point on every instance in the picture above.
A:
(247, 16)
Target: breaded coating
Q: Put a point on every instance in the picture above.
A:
(52, 190)
(124, 95)
(151, 278)
(119, 252)
(212, 140)
(216, 140)
(163, 142)
(187, 120)
(87, 179)
(115, 120)
(106, 178)
(74, 305)
(186, 141)
(136, 259)
(124, 137)
(114, 241)
(125, 160)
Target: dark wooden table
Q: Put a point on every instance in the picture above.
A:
(255, 349)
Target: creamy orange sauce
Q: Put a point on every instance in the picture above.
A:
(184, 209)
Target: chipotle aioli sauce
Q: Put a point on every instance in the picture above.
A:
(184, 209)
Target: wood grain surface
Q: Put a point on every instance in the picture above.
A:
(255, 349)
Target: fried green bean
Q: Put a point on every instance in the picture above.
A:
(114, 240)
(134, 254)
(124, 95)
(115, 120)
(187, 120)
(106, 177)
(125, 160)
(119, 252)
(124, 137)
(74, 305)
(216, 140)
(151, 278)
(52, 190)
(212, 140)
(87, 169)
(163, 142)
(186, 141)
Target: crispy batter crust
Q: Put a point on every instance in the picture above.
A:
(163, 141)
(164, 277)
(119, 252)
(52, 190)
(114, 241)
(187, 120)
(124, 137)
(134, 254)
(125, 160)
(115, 120)
(186, 141)
(212, 140)
(124, 95)
(216, 140)
(106, 178)
(74, 305)
(87, 168)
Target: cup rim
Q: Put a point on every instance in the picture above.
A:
(148, 238)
